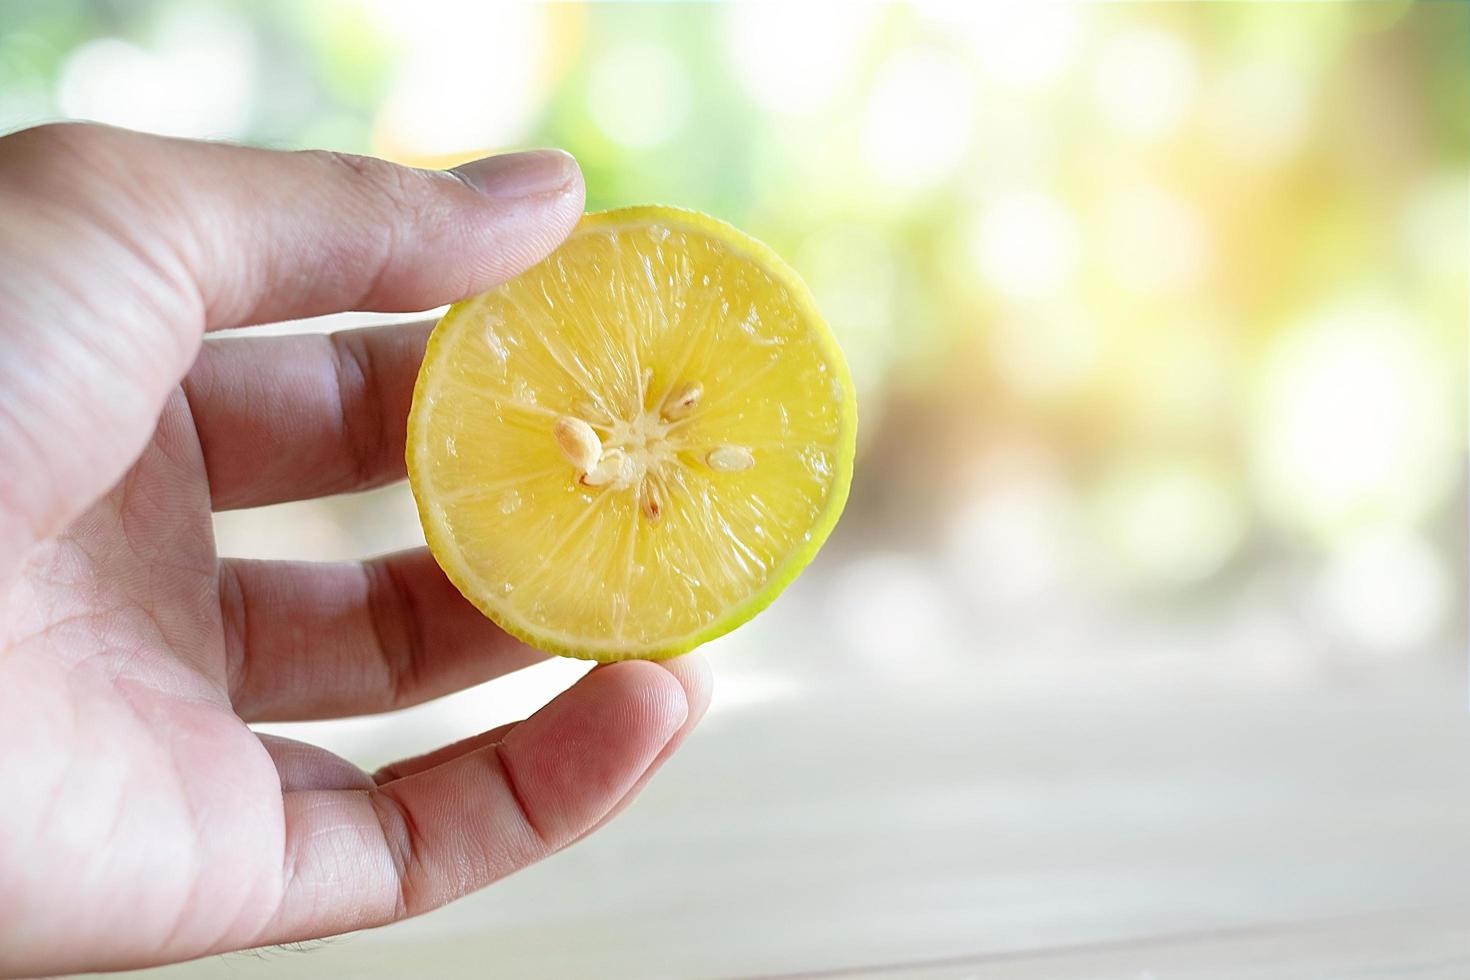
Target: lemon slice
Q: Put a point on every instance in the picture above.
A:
(634, 446)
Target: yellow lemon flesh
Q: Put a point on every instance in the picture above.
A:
(634, 446)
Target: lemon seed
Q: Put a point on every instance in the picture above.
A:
(682, 401)
(578, 442)
(730, 459)
(651, 502)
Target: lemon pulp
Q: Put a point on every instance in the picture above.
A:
(634, 446)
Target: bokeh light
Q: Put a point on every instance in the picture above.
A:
(771, 49)
(1009, 544)
(920, 119)
(1259, 111)
(1152, 240)
(638, 94)
(854, 277)
(1049, 351)
(1145, 81)
(1429, 229)
(1168, 522)
(1026, 244)
(196, 77)
(1355, 422)
(1181, 380)
(1024, 46)
(890, 613)
(1383, 590)
(476, 87)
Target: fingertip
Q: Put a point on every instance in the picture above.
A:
(576, 758)
(692, 671)
(526, 204)
(661, 696)
(527, 174)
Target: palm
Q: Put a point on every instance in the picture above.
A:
(144, 821)
(119, 726)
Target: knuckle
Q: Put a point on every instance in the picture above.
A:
(235, 616)
(356, 380)
(58, 137)
(54, 155)
(353, 166)
(389, 200)
(395, 631)
(532, 817)
(401, 187)
(401, 837)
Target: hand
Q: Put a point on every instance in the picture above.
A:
(142, 820)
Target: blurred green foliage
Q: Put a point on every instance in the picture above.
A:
(1101, 233)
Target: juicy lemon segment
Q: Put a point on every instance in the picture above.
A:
(634, 446)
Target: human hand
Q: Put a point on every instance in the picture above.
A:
(142, 820)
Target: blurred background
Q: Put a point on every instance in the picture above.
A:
(1147, 615)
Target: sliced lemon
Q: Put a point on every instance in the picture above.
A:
(634, 446)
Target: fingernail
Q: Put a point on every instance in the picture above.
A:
(517, 175)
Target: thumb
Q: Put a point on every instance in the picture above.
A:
(264, 235)
(120, 249)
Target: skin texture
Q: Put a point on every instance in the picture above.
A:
(144, 822)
